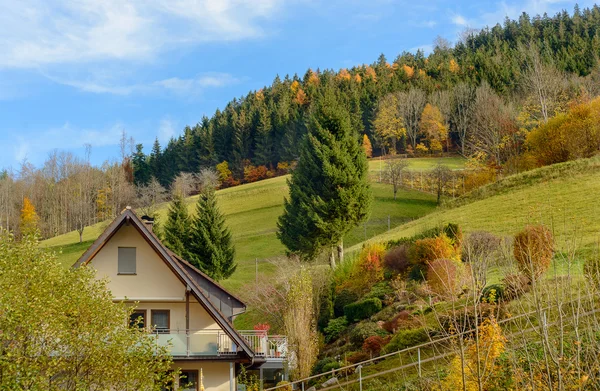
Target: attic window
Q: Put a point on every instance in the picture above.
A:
(126, 260)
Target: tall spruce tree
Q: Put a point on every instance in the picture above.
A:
(210, 247)
(141, 169)
(329, 191)
(177, 227)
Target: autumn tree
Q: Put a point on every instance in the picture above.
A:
(29, 218)
(329, 191)
(441, 176)
(394, 170)
(462, 104)
(432, 126)
(411, 105)
(388, 123)
(367, 147)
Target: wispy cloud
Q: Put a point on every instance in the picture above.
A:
(37, 33)
(459, 20)
(173, 85)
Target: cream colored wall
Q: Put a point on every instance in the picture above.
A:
(155, 286)
(216, 374)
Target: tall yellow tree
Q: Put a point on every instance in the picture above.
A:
(433, 128)
(388, 123)
(29, 218)
(367, 146)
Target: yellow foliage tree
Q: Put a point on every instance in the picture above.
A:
(29, 218)
(357, 78)
(480, 361)
(453, 66)
(301, 98)
(367, 146)
(260, 96)
(432, 126)
(409, 71)
(313, 78)
(388, 123)
(370, 73)
(344, 75)
(295, 86)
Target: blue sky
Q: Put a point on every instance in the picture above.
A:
(78, 72)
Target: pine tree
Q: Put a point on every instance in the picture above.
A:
(141, 170)
(176, 229)
(155, 162)
(210, 248)
(329, 191)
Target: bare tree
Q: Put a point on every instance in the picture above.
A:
(411, 106)
(184, 184)
(208, 178)
(150, 196)
(462, 102)
(441, 176)
(394, 169)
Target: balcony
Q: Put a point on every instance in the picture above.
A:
(215, 343)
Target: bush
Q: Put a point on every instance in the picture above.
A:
(430, 249)
(381, 291)
(445, 277)
(394, 324)
(363, 331)
(255, 173)
(533, 250)
(287, 384)
(325, 308)
(335, 328)
(397, 259)
(362, 309)
(342, 299)
(358, 357)
(417, 273)
(591, 270)
(454, 233)
(374, 344)
(515, 285)
(493, 294)
(406, 339)
(369, 268)
(321, 365)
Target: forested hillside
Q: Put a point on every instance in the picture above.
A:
(487, 91)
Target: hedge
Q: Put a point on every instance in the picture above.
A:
(362, 309)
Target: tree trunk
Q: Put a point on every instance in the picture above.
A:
(332, 259)
(80, 235)
(340, 250)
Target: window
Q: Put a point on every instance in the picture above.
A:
(126, 260)
(160, 320)
(134, 317)
(188, 381)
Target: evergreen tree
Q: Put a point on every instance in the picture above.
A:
(329, 191)
(176, 229)
(141, 170)
(155, 162)
(210, 248)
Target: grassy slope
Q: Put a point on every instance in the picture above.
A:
(562, 196)
(252, 210)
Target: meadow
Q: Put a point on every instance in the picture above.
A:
(251, 211)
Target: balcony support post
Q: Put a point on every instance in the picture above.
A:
(187, 320)
(231, 377)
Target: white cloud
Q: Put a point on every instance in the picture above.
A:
(459, 20)
(174, 85)
(39, 33)
(166, 130)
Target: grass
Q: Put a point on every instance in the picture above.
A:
(251, 211)
(421, 163)
(562, 197)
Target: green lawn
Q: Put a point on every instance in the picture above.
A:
(252, 210)
(421, 163)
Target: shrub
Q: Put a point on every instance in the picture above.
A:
(342, 299)
(255, 173)
(332, 365)
(363, 331)
(445, 277)
(493, 294)
(417, 273)
(406, 339)
(369, 268)
(397, 259)
(323, 363)
(358, 357)
(283, 168)
(362, 309)
(591, 270)
(325, 308)
(335, 328)
(381, 291)
(287, 384)
(430, 249)
(454, 233)
(374, 344)
(394, 324)
(533, 250)
(515, 285)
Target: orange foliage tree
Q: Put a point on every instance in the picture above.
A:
(29, 218)
(409, 71)
(344, 75)
(429, 249)
(432, 126)
(445, 277)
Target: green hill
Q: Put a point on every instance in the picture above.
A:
(252, 210)
(563, 196)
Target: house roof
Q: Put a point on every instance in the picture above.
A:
(181, 268)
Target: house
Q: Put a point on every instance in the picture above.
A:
(181, 306)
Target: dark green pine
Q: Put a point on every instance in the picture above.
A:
(177, 226)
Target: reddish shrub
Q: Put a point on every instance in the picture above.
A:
(444, 277)
(373, 345)
(358, 357)
(255, 173)
(533, 250)
(398, 259)
(397, 322)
